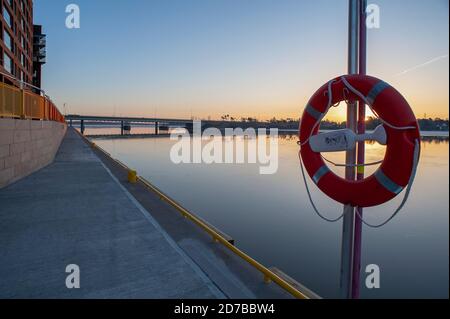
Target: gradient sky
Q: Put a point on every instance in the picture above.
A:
(259, 58)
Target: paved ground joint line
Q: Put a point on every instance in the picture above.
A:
(214, 289)
(73, 212)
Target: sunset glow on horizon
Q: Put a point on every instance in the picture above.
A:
(259, 59)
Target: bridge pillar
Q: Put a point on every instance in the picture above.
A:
(190, 127)
(156, 128)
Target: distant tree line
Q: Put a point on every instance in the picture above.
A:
(433, 125)
(429, 124)
(426, 124)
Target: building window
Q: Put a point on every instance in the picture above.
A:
(7, 17)
(24, 44)
(8, 41)
(7, 63)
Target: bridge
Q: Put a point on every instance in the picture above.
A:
(128, 121)
(164, 123)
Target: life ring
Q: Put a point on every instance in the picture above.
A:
(394, 172)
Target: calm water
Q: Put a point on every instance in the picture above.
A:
(271, 218)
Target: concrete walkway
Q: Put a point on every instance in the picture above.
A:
(75, 212)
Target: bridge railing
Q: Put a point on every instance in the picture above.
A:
(24, 104)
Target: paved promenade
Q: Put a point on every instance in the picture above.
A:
(75, 212)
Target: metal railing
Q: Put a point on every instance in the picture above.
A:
(268, 274)
(282, 280)
(24, 104)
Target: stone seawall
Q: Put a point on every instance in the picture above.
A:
(27, 146)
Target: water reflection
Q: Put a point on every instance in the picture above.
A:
(271, 218)
(433, 139)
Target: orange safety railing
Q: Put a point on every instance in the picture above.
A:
(24, 104)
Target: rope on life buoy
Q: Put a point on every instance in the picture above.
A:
(407, 191)
(368, 103)
(402, 204)
(312, 201)
(351, 165)
(415, 163)
(330, 104)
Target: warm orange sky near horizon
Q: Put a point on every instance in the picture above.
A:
(264, 59)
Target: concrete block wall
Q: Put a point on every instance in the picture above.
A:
(27, 146)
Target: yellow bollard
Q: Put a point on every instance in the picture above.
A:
(360, 169)
(267, 279)
(132, 176)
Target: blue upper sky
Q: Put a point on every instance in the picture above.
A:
(261, 58)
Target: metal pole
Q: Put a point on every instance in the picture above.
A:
(350, 157)
(361, 150)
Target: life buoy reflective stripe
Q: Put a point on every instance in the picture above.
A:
(320, 173)
(376, 90)
(394, 173)
(313, 112)
(387, 182)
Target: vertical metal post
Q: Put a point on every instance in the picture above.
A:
(361, 150)
(82, 127)
(350, 157)
(22, 105)
(121, 127)
(156, 128)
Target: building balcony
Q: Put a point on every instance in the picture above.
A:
(40, 40)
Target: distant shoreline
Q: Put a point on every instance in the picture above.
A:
(424, 134)
(426, 125)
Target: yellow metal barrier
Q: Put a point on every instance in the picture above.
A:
(269, 275)
(34, 107)
(10, 101)
(19, 103)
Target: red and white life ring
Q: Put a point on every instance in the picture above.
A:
(395, 171)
